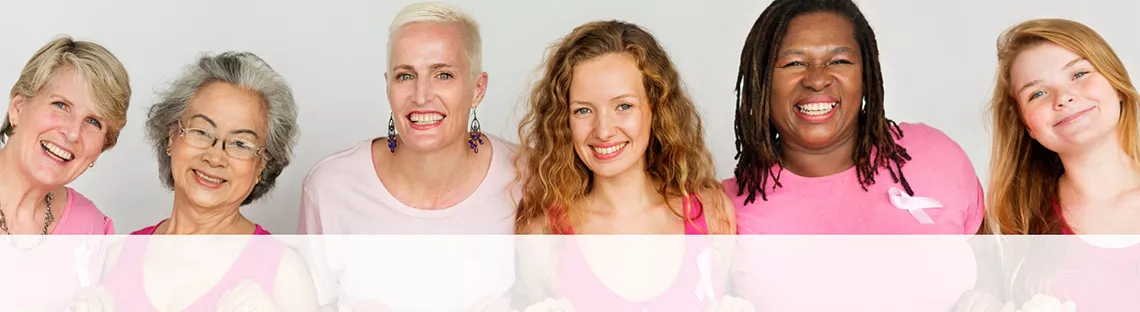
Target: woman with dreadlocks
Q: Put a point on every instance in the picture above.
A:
(817, 154)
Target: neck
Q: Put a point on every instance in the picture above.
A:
(630, 193)
(807, 162)
(1099, 174)
(19, 197)
(188, 218)
(429, 173)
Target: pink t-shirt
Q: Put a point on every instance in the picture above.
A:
(939, 169)
(343, 195)
(81, 217)
(45, 276)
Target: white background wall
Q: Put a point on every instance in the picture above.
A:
(938, 59)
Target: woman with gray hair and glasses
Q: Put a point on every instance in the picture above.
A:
(223, 133)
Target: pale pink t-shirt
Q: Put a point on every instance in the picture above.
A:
(46, 276)
(939, 169)
(343, 195)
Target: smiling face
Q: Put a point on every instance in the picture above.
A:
(610, 114)
(817, 82)
(1066, 104)
(430, 87)
(208, 176)
(58, 134)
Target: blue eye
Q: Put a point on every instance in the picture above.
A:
(624, 107)
(1036, 95)
(1080, 74)
(60, 105)
(404, 77)
(95, 122)
(582, 111)
(444, 76)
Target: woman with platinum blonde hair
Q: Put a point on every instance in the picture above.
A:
(435, 172)
(223, 132)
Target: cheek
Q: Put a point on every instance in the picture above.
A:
(1035, 119)
(580, 130)
(246, 171)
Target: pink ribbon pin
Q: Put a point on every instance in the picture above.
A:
(914, 205)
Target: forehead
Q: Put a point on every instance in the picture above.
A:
(606, 76)
(1039, 61)
(74, 87)
(229, 106)
(819, 29)
(428, 43)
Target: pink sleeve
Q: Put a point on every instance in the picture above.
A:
(108, 226)
(976, 213)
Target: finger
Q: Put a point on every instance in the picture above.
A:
(1069, 306)
(108, 301)
(965, 302)
(712, 306)
(1007, 307)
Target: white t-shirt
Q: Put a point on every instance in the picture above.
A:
(418, 269)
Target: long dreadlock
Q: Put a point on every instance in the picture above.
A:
(756, 139)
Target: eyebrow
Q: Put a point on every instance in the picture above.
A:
(833, 51)
(625, 95)
(1035, 82)
(215, 125)
(207, 119)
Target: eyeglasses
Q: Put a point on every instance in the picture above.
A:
(204, 139)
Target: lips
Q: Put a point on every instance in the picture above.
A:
(1073, 117)
(55, 151)
(608, 150)
(207, 179)
(425, 120)
(817, 108)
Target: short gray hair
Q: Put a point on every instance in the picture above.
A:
(442, 13)
(242, 69)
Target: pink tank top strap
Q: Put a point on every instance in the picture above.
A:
(1061, 214)
(695, 224)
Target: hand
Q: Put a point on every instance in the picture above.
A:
(1046, 303)
(492, 304)
(93, 299)
(730, 304)
(370, 305)
(551, 305)
(977, 301)
(247, 296)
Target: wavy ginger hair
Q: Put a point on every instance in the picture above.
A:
(676, 160)
(1024, 174)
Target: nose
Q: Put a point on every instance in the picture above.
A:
(604, 126)
(1064, 97)
(215, 156)
(70, 131)
(422, 92)
(817, 79)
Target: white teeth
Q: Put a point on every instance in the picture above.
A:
(425, 119)
(56, 151)
(816, 109)
(609, 150)
(208, 179)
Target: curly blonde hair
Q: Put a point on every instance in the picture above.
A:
(676, 160)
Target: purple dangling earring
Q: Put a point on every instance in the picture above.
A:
(392, 133)
(476, 133)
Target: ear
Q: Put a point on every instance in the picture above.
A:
(480, 90)
(14, 108)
